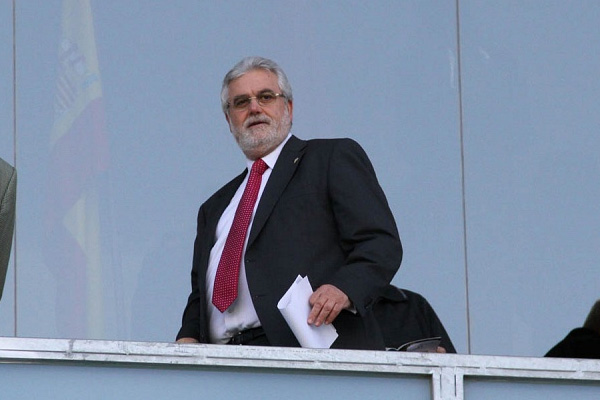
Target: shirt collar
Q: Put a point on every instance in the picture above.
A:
(271, 158)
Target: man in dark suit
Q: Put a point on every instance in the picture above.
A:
(320, 213)
(8, 192)
(583, 342)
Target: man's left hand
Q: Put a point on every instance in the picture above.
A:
(326, 302)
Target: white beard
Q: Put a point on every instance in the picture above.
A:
(260, 140)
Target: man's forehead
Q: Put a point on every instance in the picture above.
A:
(254, 81)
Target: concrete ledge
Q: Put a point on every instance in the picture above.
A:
(446, 371)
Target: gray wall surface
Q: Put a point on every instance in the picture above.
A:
(480, 119)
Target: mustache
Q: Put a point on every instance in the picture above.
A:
(256, 120)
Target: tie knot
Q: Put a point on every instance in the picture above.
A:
(259, 167)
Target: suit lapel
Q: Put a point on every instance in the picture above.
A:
(284, 169)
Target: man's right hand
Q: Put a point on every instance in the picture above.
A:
(327, 302)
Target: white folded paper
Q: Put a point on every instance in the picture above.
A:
(295, 309)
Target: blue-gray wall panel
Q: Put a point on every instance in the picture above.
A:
(532, 170)
(485, 389)
(76, 382)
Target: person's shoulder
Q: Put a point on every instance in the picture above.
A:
(8, 180)
(4, 165)
(332, 142)
(584, 333)
(334, 145)
(226, 190)
(6, 170)
(579, 343)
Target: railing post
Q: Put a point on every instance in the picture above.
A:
(447, 384)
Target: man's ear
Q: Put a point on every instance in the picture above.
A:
(291, 108)
(228, 122)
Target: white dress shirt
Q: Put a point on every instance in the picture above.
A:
(241, 314)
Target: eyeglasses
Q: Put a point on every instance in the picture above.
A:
(263, 99)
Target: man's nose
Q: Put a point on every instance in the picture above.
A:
(254, 107)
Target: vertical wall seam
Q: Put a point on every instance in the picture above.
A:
(462, 173)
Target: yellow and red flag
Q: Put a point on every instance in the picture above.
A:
(78, 158)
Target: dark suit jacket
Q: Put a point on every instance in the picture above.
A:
(322, 215)
(8, 192)
(579, 343)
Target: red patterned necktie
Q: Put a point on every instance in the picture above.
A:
(225, 289)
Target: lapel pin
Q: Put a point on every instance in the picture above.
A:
(296, 160)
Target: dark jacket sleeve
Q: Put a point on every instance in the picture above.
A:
(368, 232)
(191, 320)
(8, 193)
